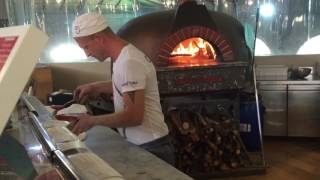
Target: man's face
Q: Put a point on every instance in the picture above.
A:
(92, 47)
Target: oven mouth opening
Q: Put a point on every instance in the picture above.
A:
(193, 51)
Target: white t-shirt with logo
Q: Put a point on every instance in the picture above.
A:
(132, 71)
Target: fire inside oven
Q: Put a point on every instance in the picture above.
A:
(194, 51)
(195, 46)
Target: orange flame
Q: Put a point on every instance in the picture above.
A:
(194, 47)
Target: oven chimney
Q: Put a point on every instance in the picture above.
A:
(199, 16)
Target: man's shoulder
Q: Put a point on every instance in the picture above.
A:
(131, 56)
(133, 50)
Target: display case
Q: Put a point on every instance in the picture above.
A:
(66, 153)
(61, 154)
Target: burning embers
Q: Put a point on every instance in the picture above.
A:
(194, 46)
(194, 52)
(206, 143)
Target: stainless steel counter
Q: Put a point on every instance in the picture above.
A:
(128, 159)
(292, 107)
(289, 82)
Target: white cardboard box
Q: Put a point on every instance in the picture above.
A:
(20, 49)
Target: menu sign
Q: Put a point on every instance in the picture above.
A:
(6, 45)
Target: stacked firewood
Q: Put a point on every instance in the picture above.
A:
(205, 143)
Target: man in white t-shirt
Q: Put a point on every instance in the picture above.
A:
(138, 116)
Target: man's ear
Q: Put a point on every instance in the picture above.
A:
(98, 38)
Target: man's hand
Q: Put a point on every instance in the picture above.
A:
(84, 123)
(92, 90)
(84, 92)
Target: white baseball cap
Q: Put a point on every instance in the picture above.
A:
(88, 24)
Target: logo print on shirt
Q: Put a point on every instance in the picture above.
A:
(131, 83)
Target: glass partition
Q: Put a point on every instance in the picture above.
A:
(285, 27)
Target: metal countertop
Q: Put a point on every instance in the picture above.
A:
(128, 159)
(290, 82)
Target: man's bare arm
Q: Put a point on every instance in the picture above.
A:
(103, 86)
(86, 91)
(132, 115)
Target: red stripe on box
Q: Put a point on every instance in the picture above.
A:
(6, 45)
(1, 65)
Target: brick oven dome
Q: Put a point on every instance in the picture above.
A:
(149, 32)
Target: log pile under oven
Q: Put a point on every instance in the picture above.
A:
(205, 143)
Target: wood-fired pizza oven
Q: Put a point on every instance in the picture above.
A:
(193, 49)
